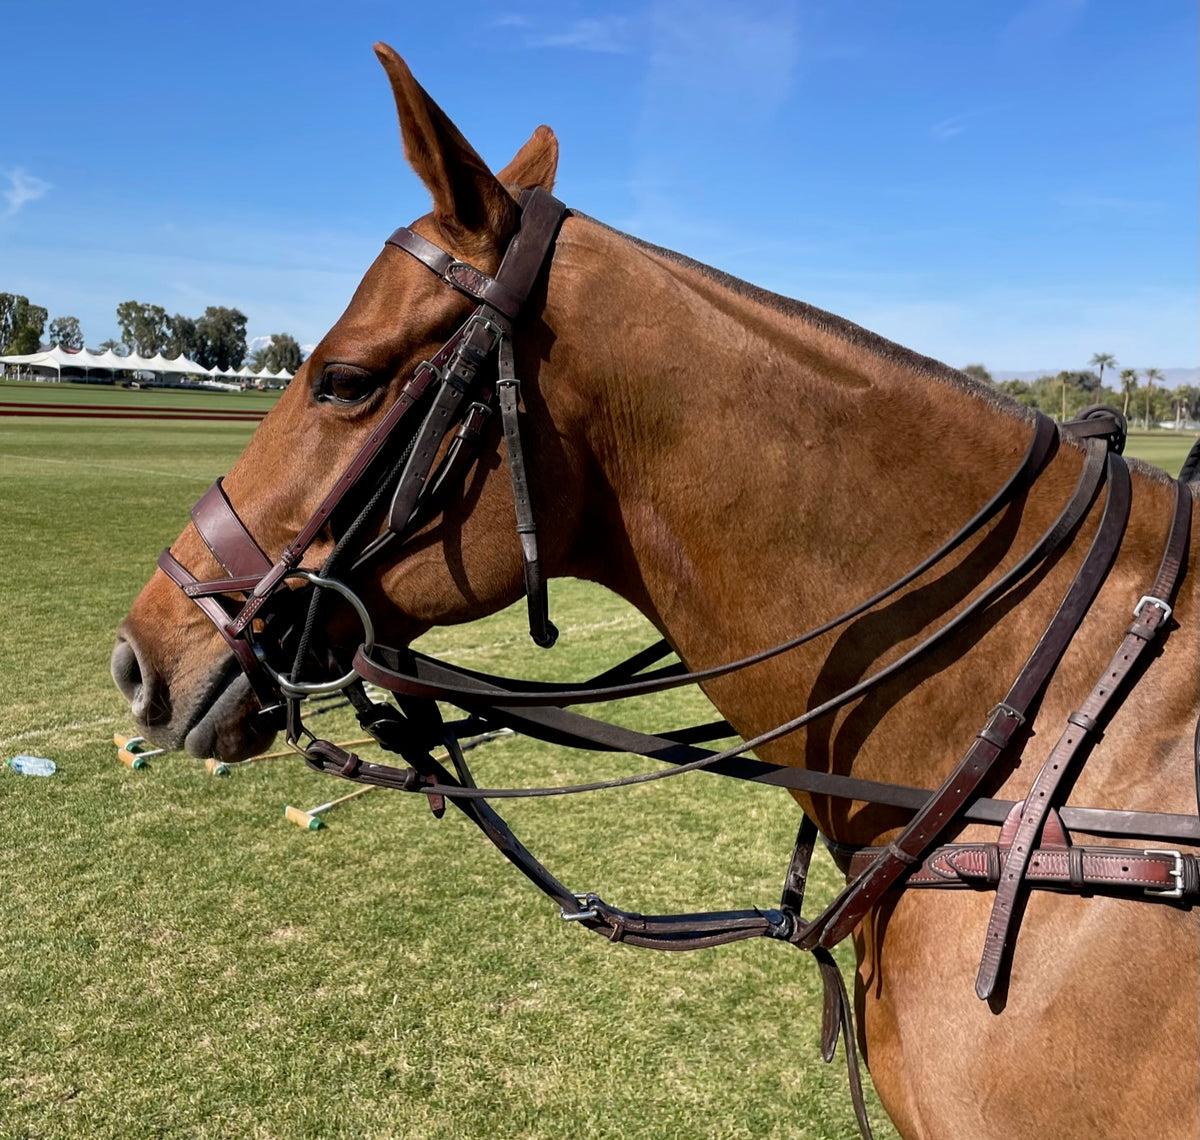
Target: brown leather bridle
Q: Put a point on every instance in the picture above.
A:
(454, 392)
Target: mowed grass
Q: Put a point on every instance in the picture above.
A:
(178, 961)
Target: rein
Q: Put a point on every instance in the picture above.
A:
(394, 472)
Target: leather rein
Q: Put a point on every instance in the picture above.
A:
(442, 410)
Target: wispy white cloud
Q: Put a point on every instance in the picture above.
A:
(729, 55)
(954, 125)
(1042, 21)
(23, 188)
(611, 34)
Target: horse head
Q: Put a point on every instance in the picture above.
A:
(461, 562)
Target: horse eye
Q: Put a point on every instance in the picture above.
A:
(345, 384)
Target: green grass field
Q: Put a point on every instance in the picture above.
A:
(180, 962)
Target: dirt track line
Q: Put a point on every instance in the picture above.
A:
(111, 467)
(120, 409)
(235, 418)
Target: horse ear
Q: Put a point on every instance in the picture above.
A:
(535, 164)
(468, 200)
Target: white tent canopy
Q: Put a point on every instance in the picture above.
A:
(58, 358)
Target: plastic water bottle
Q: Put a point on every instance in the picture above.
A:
(32, 766)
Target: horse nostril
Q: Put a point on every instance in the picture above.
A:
(126, 671)
(147, 702)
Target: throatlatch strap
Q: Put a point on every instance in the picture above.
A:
(541, 628)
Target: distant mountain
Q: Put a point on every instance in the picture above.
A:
(1172, 377)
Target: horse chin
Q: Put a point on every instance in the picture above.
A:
(228, 727)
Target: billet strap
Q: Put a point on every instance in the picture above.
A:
(1083, 726)
(1082, 869)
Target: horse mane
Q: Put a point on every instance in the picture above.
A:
(839, 327)
(858, 337)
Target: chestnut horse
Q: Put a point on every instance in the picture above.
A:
(740, 466)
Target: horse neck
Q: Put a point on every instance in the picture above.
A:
(753, 463)
(754, 468)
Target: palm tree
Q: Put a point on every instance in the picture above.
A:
(1129, 386)
(1152, 374)
(1102, 360)
(1185, 402)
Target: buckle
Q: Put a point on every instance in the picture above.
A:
(1006, 710)
(489, 325)
(1150, 599)
(478, 409)
(589, 911)
(1176, 872)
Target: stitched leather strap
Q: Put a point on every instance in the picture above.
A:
(465, 278)
(1004, 720)
(1149, 618)
(229, 541)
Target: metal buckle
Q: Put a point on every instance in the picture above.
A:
(1176, 872)
(579, 916)
(491, 326)
(1146, 600)
(1006, 710)
(483, 410)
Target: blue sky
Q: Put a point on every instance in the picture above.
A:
(1007, 182)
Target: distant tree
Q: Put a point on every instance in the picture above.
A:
(1184, 398)
(182, 338)
(1081, 388)
(21, 324)
(1151, 375)
(1017, 389)
(221, 338)
(283, 351)
(115, 345)
(1102, 360)
(65, 331)
(1187, 399)
(975, 371)
(1129, 387)
(144, 327)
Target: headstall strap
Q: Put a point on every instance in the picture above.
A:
(1034, 849)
